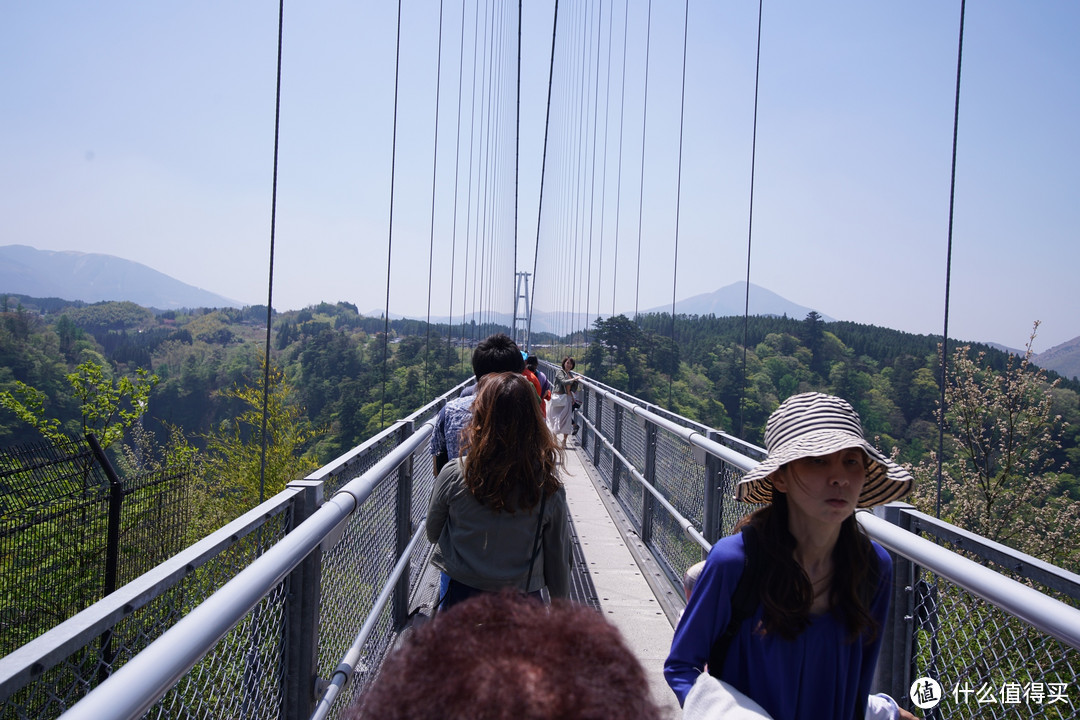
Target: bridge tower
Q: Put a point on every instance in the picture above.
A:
(520, 295)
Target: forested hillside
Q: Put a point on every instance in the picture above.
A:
(340, 378)
(332, 357)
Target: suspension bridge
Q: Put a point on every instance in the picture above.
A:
(288, 610)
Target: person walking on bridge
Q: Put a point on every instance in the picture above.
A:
(498, 513)
(790, 610)
(561, 409)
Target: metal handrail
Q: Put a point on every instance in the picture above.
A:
(143, 680)
(691, 437)
(1049, 615)
(687, 526)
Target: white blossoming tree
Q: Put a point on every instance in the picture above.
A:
(998, 479)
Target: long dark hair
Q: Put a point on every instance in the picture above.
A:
(786, 591)
(511, 453)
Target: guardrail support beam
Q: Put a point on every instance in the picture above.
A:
(403, 517)
(647, 501)
(301, 652)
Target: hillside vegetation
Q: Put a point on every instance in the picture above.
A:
(330, 360)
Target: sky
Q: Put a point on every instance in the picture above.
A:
(147, 131)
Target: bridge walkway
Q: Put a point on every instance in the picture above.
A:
(622, 572)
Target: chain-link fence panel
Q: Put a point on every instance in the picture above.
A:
(629, 492)
(154, 519)
(51, 691)
(242, 676)
(988, 663)
(54, 529)
(354, 572)
(681, 480)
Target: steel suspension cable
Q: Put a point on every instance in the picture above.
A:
(543, 163)
(468, 185)
(678, 196)
(604, 162)
(592, 181)
(948, 265)
(641, 183)
(270, 276)
(390, 231)
(750, 223)
(517, 173)
(457, 179)
(434, 173)
(618, 184)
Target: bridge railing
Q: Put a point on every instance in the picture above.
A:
(974, 615)
(265, 618)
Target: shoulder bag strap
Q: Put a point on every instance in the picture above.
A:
(536, 542)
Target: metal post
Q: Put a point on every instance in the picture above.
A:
(616, 466)
(713, 512)
(647, 501)
(893, 673)
(112, 547)
(302, 602)
(599, 401)
(403, 516)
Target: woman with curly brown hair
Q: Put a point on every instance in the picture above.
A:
(498, 513)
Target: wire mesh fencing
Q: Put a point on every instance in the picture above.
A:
(55, 530)
(80, 661)
(987, 662)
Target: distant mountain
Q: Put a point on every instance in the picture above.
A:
(91, 277)
(730, 301)
(1064, 359)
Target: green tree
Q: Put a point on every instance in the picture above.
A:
(229, 478)
(108, 405)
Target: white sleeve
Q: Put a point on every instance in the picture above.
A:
(881, 707)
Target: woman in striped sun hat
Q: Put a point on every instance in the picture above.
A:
(790, 610)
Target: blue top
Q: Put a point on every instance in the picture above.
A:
(452, 419)
(817, 675)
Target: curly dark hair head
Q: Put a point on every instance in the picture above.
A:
(508, 657)
(511, 453)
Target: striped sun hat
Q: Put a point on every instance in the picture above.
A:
(813, 424)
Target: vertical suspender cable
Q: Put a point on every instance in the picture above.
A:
(457, 178)
(618, 183)
(948, 265)
(641, 184)
(270, 280)
(543, 163)
(434, 172)
(604, 162)
(750, 222)
(678, 195)
(468, 186)
(390, 233)
(517, 173)
(592, 181)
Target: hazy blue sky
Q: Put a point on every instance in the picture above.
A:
(145, 130)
